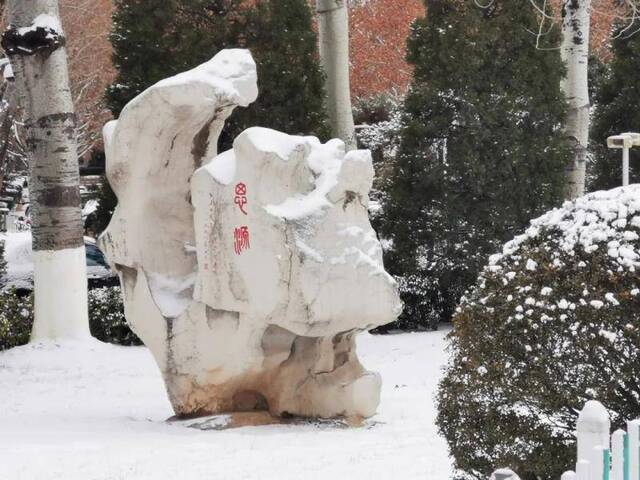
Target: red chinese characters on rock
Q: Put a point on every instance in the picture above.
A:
(241, 241)
(241, 197)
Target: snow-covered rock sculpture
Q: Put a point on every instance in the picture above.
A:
(249, 273)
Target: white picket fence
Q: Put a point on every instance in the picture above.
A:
(601, 456)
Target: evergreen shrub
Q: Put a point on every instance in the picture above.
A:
(552, 322)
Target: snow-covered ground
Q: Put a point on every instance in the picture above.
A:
(97, 412)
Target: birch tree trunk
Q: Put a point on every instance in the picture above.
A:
(7, 118)
(575, 53)
(333, 25)
(35, 45)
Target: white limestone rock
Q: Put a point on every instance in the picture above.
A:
(247, 276)
(313, 264)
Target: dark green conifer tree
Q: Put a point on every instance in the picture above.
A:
(481, 152)
(616, 110)
(155, 39)
(281, 36)
(107, 202)
(143, 46)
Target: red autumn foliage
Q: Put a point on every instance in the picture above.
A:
(379, 30)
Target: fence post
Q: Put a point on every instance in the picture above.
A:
(633, 432)
(582, 470)
(592, 430)
(617, 455)
(596, 462)
(606, 464)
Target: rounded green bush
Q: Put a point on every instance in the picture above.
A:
(552, 322)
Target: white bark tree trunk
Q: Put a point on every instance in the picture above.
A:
(575, 53)
(35, 43)
(333, 26)
(8, 107)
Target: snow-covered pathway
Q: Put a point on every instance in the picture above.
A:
(97, 413)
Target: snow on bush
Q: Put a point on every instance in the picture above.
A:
(552, 322)
(16, 319)
(379, 124)
(383, 136)
(106, 318)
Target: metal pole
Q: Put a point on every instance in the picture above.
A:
(625, 167)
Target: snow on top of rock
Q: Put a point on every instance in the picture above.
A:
(325, 161)
(599, 218)
(278, 143)
(223, 167)
(231, 70)
(308, 251)
(172, 295)
(351, 231)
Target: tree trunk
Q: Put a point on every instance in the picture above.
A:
(35, 44)
(333, 25)
(575, 53)
(7, 118)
